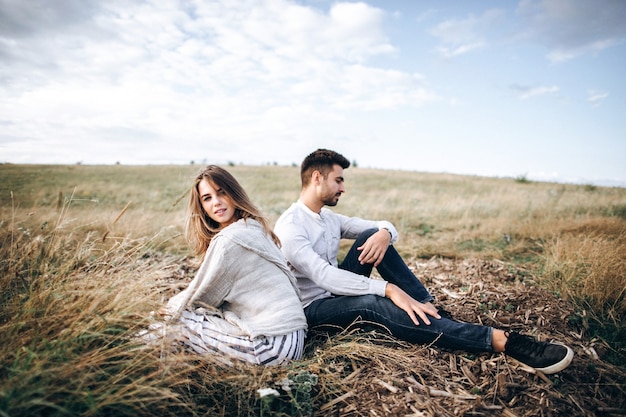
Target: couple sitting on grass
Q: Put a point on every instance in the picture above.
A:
(257, 291)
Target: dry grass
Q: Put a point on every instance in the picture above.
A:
(69, 306)
(587, 264)
(590, 260)
(88, 252)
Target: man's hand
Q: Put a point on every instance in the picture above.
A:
(412, 307)
(374, 249)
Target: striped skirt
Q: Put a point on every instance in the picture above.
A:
(202, 337)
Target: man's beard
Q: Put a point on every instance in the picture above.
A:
(332, 201)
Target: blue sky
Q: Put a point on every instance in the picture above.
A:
(532, 88)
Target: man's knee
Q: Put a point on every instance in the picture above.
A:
(376, 304)
(364, 236)
(364, 303)
(369, 299)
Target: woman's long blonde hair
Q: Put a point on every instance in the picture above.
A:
(200, 228)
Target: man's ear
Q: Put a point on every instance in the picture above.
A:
(316, 177)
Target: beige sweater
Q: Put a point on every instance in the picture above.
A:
(245, 277)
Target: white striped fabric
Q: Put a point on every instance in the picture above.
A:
(199, 335)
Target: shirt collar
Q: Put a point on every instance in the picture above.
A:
(308, 210)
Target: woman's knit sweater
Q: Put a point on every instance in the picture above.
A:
(243, 285)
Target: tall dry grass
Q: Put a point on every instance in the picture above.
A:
(587, 263)
(590, 261)
(71, 304)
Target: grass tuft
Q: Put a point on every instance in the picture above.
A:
(588, 265)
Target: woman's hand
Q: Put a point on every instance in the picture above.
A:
(412, 307)
(374, 249)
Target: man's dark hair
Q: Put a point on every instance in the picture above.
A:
(321, 160)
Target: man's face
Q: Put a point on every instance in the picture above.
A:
(332, 187)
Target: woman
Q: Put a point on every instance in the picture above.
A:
(243, 302)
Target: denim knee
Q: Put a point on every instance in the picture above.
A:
(364, 236)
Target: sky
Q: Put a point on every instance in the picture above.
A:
(531, 89)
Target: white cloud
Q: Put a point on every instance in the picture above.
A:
(596, 97)
(570, 28)
(460, 36)
(459, 50)
(212, 74)
(528, 92)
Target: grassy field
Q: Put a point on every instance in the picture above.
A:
(89, 251)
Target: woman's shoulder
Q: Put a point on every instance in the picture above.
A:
(251, 221)
(242, 227)
(246, 225)
(239, 225)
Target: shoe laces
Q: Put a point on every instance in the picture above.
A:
(525, 345)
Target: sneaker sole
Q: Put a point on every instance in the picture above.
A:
(559, 366)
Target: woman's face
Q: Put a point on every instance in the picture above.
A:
(216, 203)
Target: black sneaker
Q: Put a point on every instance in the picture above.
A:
(546, 357)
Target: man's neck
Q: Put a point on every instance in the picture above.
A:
(311, 202)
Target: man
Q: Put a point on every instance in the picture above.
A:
(337, 295)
